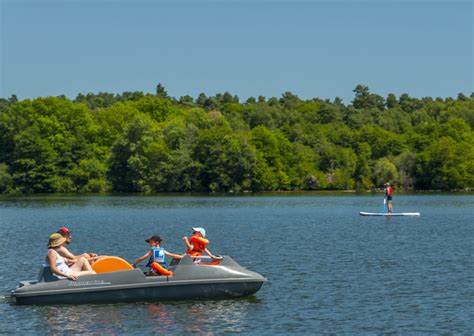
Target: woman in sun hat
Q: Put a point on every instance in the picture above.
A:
(68, 255)
(59, 265)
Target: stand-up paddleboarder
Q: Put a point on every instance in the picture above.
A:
(388, 196)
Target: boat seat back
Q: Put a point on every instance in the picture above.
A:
(111, 264)
(45, 274)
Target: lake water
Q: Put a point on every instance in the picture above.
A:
(329, 270)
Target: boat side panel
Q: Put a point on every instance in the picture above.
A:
(228, 269)
(176, 292)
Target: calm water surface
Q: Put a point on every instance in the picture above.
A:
(329, 270)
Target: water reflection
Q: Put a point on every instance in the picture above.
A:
(206, 317)
(81, 319)
(201, 317)
(160, 317)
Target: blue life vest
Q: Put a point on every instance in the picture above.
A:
(157, 255)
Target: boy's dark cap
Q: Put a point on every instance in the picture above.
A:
(155, 238)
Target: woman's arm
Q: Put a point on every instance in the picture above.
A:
(65, 253)
(89, 256)
(68, 261)
(52, 262)
(143, 257)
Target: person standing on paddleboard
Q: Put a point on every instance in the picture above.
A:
(388, 196)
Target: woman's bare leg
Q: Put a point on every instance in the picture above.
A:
(80, 273)
(82, 265)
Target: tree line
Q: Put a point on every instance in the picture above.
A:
(143, 142)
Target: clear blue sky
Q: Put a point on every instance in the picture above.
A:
(250, 48)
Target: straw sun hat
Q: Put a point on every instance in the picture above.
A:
(56, 240)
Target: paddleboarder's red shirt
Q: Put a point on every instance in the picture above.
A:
(389, 192)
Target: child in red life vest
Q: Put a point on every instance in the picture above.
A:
(197, 244)
(156, 256)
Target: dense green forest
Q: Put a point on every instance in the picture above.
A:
(137, 142)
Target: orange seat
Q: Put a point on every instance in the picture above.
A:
(111, 264)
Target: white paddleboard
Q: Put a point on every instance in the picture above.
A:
(389, 214)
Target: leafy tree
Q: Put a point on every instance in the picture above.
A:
(362, 174)
(304, 174)
(161, 91)
(6, 180)
(129, 162)
(13, 99)
(274, 155)
(340, 179)
(4, 103)
(251, 100)
(227, 161)
(94, 101)
(445, 164)
(383, 143)
(406, 164)
(186, 100)
(157, 108)
(130, 96)
(289, 101)
(52, 135)
(329, 113)
(391, 101)
(364, 99)
(201, 99)
(385, 171)
(409, 104)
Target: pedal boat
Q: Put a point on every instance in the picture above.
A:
(121, 282)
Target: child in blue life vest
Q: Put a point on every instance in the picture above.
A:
(156, 256)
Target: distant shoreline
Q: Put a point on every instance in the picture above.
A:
(250, 193)
(138, 142)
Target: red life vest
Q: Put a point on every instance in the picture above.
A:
(199, 244)
(389, 191)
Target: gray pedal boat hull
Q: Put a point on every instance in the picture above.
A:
(190, 281)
